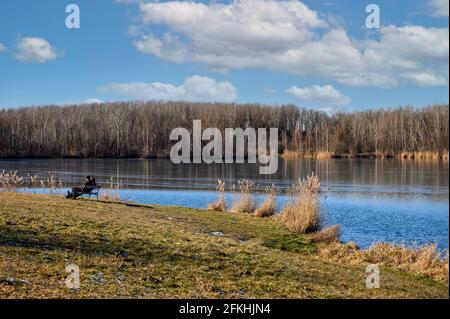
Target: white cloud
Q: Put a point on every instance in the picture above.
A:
(195, 88)
(439, 8)
(426, 79)
(2, 48)
(290, 37)
(405, 54)
(93, 100)
(319, 95)
(32, 49)
(220, 32)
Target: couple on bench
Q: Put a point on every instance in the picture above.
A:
(90, 187)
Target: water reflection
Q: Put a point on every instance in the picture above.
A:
(338, 175)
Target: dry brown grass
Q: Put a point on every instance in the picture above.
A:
(328, 235)
(220, 204)
(111, 191)
(269, 206)
(246, 203)
(424, 260)
(418, 155)
(324, 155)
(51, 183)
(406, 155)
(287, 154)
(424, 155)
(110, 196)
(384, 154)
(302, 214)
(12, 181)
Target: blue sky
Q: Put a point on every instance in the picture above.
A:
(317, 54)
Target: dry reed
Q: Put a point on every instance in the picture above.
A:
(220, 204)
(424, 155)
(110, 192)
(12, 182)
(424, 260)
(246, 202)
(268, 207)
(328, 235)
(324, 155)
(302, 214)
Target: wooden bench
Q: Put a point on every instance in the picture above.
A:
(88, 191)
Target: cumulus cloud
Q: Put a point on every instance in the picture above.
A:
(222, 32)
(195, 88)
(439, 8)
(288, 36)
(319, 94)
(32, 49)
(411, 54)
(2, 48)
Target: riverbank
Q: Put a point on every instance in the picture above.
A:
(154, 251)
(417, 155)
(414, 155)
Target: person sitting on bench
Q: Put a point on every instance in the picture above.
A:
(89, 185)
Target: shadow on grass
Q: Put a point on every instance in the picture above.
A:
(138, 250)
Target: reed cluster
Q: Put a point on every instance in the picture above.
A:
(302, 213)
(220, 204)
(424, 155)
(111, 191)
(246, 203)
(12, 181)
(269, 205)
(423, 260)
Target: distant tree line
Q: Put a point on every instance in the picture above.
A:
(142, 129)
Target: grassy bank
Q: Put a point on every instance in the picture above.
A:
(170, 252)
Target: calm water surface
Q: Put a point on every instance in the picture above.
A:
(401, 201)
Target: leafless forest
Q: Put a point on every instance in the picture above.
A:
(142, 129)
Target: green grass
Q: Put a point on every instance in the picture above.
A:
(169, 252)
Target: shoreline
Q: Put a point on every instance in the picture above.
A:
(148, 196)
(239, 254)
(342, 203)
(413, 155)
(287, 155)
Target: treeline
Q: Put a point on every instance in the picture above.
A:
(142, 129)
